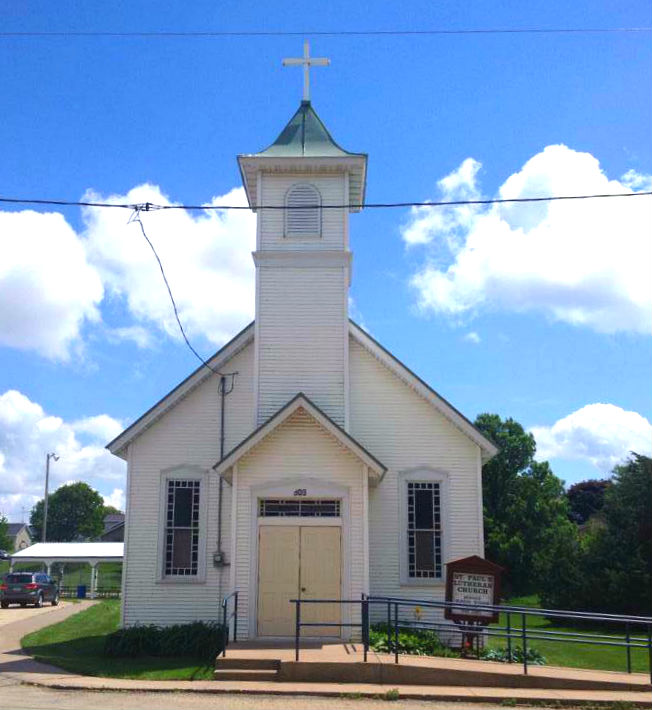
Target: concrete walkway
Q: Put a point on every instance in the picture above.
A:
(16, 667)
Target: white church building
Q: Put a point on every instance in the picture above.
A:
(308, 462)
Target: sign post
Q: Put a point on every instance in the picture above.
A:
(472, 582)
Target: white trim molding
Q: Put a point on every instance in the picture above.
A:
(315, 488)
(426, 474)
(183, 472)
(393, 364)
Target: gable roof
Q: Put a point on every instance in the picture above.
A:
(300, 401)
(14, 528)
(233, 347)
(487, 447)
(244, 337)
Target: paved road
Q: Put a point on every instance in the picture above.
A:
(24, 697)
(19, 613)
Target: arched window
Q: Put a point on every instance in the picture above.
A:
(306, 220)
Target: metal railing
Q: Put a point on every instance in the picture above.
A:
(364, 620)
(226, 618)
(514, 630)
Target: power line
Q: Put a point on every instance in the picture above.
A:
(135, 217)
(151, 206)
(327, 33)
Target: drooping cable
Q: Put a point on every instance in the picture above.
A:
(147, 206)
(135, 217)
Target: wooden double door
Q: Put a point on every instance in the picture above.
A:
(298, 562)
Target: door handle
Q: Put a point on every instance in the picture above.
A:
(303, 589)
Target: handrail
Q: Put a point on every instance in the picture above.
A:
(226, 621)
(473, 629)
(560, 613)
(364, 623)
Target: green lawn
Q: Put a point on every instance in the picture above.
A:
(77, 644)
(576, 655)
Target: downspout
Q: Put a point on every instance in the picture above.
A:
(218, 556)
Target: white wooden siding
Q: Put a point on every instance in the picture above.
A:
(187, 434)
(302, 332)
(332, 189)
(298, 449)
(404, 431)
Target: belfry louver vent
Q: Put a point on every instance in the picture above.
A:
(304, 217)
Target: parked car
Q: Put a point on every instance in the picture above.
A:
(4, 555)
(28, 588)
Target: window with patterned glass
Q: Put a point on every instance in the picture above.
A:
(182, 528)
(424, 530)
(299, 508)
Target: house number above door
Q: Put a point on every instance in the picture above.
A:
(300, 492)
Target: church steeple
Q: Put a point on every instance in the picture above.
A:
(303, 264)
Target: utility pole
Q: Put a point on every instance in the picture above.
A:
(45, 504)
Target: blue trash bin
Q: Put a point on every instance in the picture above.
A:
(81, 591)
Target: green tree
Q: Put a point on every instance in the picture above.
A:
(525, 508)
(75, 511)
(111, 510)
(5, 540)
(610, 569)
(586, 498)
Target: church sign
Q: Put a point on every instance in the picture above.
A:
(472, 581)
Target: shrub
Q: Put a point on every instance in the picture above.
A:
(502, 655)
(415, 642)
(197, 640)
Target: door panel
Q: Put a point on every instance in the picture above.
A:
(278, 579)
(320, 576)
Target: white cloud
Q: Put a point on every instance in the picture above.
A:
(584, 263)
(637, 181)
(116, 499)
(134, 333)
(206, 256)
(472, 337)
(27, 433)
(602, 434)
(53, 281)
(48, 290)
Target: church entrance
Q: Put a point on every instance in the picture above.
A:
(298, 562)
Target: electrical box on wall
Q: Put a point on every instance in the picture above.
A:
(219, 559)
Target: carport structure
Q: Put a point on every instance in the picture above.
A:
(49, 553)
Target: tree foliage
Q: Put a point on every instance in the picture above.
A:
(75, 512)
(586, 499)
(525, 508)
(5, 540)
(610, 569)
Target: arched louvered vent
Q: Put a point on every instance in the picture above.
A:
(305, 221)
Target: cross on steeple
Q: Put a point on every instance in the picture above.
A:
(307, 61)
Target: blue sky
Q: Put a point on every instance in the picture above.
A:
(539, 315)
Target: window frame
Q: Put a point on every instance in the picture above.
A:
(304, 235)
(186, 472)
(422, 474)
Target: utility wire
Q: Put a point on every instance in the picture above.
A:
(150, 206)
(135, 217)
(329, 33)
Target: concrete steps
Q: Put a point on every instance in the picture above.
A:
(257, 669)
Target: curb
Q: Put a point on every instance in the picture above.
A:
(380, 694)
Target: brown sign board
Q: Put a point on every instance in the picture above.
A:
(472, 581)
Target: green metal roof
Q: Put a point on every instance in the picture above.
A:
(305, 136)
